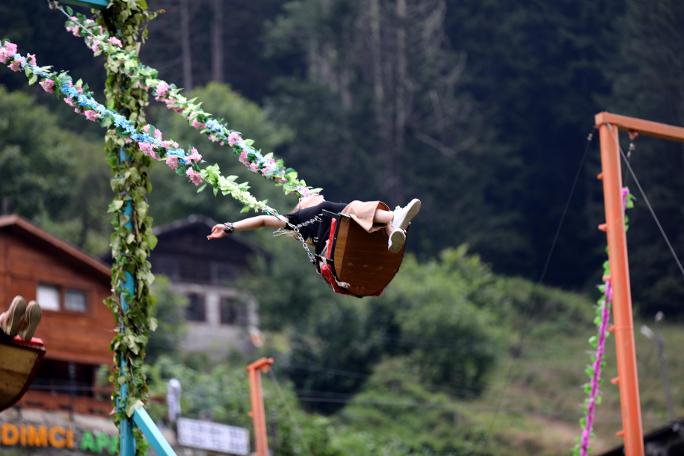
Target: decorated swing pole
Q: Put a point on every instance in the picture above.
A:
(132, 237)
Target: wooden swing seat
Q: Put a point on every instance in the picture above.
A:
(359, 258)
(19, 361)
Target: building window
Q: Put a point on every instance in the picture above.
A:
(233, 312)
(196, 310)
(74, 300)
(48, 297)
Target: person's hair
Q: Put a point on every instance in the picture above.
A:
(308, 201)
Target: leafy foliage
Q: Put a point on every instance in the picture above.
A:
(171, 324)
(132, 239)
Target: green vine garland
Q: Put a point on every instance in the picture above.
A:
(132, 238)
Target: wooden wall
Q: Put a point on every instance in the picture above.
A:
(68, 336)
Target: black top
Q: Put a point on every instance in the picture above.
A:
(318, 232)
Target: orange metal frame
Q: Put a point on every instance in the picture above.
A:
(258, 414)
(627, 379)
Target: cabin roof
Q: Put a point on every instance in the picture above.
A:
(41, 239)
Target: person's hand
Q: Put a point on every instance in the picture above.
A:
(217, 232)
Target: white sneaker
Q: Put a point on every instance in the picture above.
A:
(11, 319)
(396, 241)
(404, 215)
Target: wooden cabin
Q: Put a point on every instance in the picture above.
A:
(76, 327)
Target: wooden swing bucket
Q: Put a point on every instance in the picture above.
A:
(361, 259)
(19, 362)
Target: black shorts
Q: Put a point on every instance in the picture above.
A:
(318, 232)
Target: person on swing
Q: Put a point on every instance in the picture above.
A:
(20, 319)
(370, 215)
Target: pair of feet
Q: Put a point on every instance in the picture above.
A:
(21, 318)
(400, 221)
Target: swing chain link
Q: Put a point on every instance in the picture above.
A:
(296, 228)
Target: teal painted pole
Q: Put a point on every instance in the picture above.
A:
(126, 440)
(152, 433)
(97, 4)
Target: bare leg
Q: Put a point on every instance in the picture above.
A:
(383, 217)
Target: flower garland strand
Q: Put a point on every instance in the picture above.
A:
(593, 371)
(149, 140)
(99, 41)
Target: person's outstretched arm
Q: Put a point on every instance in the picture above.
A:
(248, 224)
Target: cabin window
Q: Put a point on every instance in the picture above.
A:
(196, 310)
(233, 312)
(74, 300)
(48, 297)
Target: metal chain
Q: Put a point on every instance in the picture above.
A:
(295, 228)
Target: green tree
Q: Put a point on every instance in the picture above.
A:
(647, 84)
(36, 164)
(43, 175)
(377, 105)
(171, 324)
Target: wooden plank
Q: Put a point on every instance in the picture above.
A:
(645, 127)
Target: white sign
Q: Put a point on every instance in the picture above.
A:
(206, 435)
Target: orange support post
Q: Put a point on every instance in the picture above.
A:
(258, 413)
(627, 379)
(628, 382)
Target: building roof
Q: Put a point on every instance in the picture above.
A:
(199, 223)
(39, 238)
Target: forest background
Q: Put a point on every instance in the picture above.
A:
(480, 108)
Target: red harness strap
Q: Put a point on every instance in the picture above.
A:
(326, 270)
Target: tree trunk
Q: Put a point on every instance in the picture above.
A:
(217, 42)
(185, 44)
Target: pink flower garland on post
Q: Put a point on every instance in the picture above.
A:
(594, 370)
(598, 361)
(99, 41)
(150, 140)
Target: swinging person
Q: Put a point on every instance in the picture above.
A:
(314, 225)
(20, 319)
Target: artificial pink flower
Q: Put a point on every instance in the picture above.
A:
(197, 124)
(169, 144)
(172, 162)
(243, 158)
(254, 167)
(194, 156)
(95, 46)
(194, 176)
(148, 149)
(70, 102)
(16, 64)
(303, 191)
(114, 41)
(162, 89)
(269, 167)
(91, 115)
(11, 48)
(73, 30)
(4, 55)
(48, 85)
(233, 138)
(32, 58)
